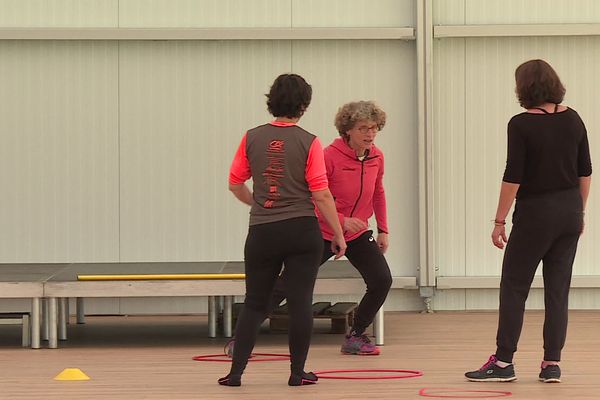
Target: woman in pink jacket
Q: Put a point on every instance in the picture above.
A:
(355, 169)
(355, 174)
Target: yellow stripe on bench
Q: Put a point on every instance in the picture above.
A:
(159, 277)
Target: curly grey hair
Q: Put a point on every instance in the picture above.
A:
(351, 113)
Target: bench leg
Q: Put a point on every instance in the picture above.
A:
(227, 316)
(44, 319)
(67, 311)
(220, 304)
(378, 327)
(80, 310)
(52, 323)
(35, 323)
(212, 316)
(26, 331)
(62, 318)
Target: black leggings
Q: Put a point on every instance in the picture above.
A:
(365, 255)
(545, 228)
(298, 244)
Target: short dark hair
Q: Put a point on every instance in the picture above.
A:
(538, 83)
(289, 96)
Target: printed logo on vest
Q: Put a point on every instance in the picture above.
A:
(275, 171)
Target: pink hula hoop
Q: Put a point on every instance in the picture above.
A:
(224, 358)
(406, 374)
(481, 394)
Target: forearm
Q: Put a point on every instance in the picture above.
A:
(324, 202)
(584, 188)
(242, 193)
(508, 192)
(380, 209)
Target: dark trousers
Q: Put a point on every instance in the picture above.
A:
(298, 244)
(545, 228)
(365, 255)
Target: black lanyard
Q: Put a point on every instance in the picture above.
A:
(546, 112)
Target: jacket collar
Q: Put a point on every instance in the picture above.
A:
(342, 146)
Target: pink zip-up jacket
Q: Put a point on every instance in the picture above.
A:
(357, 186)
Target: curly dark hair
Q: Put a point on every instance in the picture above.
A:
(538, 83)
(289, 96)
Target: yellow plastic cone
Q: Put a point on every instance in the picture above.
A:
(72, 374)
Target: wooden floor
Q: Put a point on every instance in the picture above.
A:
(150, 358)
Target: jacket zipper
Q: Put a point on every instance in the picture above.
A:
(362, 173)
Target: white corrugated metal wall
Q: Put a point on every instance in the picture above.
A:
(118, 150)
(474, 99)
(135, 168)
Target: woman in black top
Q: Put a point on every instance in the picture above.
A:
(548, 171)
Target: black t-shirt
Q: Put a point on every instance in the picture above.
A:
(547, 152)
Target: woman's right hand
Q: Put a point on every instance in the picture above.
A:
(353, 225)
(499, 236)
(338, 246)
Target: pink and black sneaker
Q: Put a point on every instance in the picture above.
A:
(359, 345)
(550, 374)
(491, 372)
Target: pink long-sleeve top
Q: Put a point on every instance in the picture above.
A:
(356, 185)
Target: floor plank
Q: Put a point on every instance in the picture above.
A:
(150, 358)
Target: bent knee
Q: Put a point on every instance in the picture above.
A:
(382, 283)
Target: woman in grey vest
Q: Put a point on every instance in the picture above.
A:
(287, 168)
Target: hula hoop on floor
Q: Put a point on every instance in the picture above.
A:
(253, 357)
(479, 394)
(406, 373)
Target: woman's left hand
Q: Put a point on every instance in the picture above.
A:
(499, 236)
(382, 241)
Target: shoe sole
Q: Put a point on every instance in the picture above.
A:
(226, 382)
(373, 353)
(511, 379)
(550, 380)
(304, 382)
